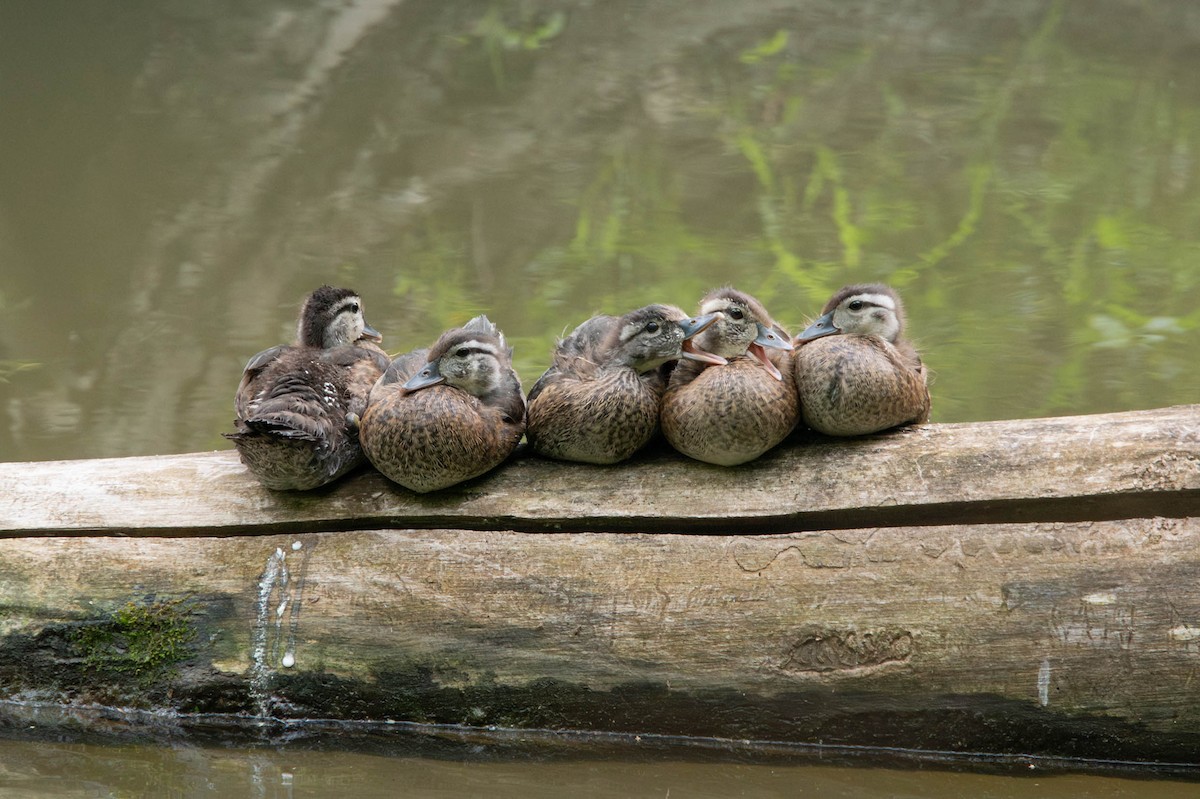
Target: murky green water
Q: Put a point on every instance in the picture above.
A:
(67, 771)
(175, 176)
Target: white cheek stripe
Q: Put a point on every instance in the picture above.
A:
(474, 344)
(629, 331)
(881, 300)
(345, 304)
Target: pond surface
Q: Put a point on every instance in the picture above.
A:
(447, 764)
(176, 176)
(67, 771)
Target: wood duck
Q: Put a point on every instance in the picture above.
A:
(298, 406)
(855, 372)
(733, 413)
(599, 401)
(439, 416)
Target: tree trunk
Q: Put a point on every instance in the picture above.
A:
(1022, 586)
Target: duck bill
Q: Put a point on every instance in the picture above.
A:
(822, 327)
(371, 334)
(429, 376)
(771, 339)
(697, 324)
(688, 350)
(759, 353)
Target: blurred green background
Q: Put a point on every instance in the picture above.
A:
(175, 177)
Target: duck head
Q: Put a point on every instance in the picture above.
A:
(474, 358)
(743, 327)
(865, 310)
(649, 337)
(333, 317)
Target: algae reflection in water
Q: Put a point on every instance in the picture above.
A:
(1024, 173)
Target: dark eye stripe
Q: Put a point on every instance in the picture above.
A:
(882, 301)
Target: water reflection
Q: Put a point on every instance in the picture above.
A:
(175, 178)
(58, 770)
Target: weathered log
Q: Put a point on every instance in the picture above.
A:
(1110, 466)
(1074, 636)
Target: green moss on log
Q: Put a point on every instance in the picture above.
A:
(144, 640)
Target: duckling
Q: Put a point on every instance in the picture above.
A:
(298, 406)
(855, 371)
(599, 401)
(439, 416)
(733, 413)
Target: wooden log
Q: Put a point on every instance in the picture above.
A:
(178, 584)
(1078, 639)
(1107, 466)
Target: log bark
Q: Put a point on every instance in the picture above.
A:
(1103, 466)
(178, 584)
(1077, 639)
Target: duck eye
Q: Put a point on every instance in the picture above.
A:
(353, 307)
(855, 305)
(736, 313)
(652, 327)
(462, 352)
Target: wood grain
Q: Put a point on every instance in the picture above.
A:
(1059, 469)
(851, 636)
(1027, 586)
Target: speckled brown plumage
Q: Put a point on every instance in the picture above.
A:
(734, 413)
(855, 371)
(297, 406)
(599, 400)
(441, 416)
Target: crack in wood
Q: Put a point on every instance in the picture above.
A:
(828, 649)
